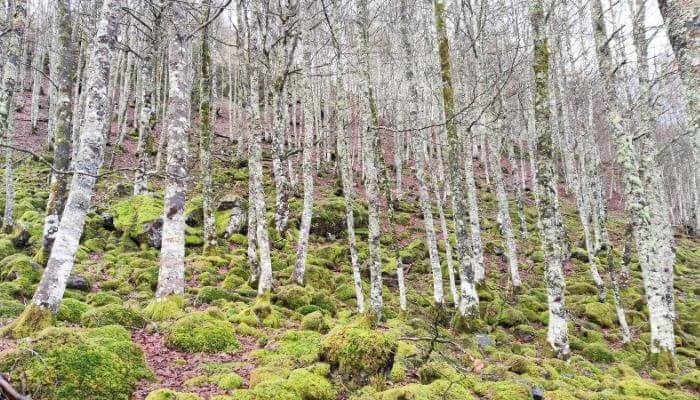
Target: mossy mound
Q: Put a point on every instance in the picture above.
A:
(167, 394)
(439, 389)
(315, 321)
(72, 310)
(292, 297)
(358, 352)
(311, 386)
(113, 314)
(328, 218)
(505, 390)
(21, 269)
(602, 314)
(75, 364)
(201, 332)
(139, 219)
(164, 309)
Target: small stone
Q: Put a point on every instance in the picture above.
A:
(483, 340)
(107, 221)
(78, 282)
(537, 393)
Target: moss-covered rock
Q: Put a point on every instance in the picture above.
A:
(164, 309)
(21, 269)
(505, 390)
(75, 364)
(598, 352)
(113, 314)
(329, 217)
(315, 321)
(201, 332)
(358, 352)
(102, 299)
(167, 394)
(140, 219)
(292, 297)
(311, 386)
(71, 310)
(602, 314)
(439, 389)
(227, 381)
(641, 388)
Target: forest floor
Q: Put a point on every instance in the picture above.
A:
(221, 342)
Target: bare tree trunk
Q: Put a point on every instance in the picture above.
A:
(206, 134)
(64, 119)
(171, 276)
(308, 175)
(547, 186)
(87, 163)
(656, 281)
(7, 102)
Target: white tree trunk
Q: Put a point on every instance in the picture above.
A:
(87, 164)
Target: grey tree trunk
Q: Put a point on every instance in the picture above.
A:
(64, 118)
(87, 163)
(171, 276)
(547, 186)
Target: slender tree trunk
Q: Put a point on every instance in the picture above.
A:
(547, 186)
(371, 141)
(656, 280)
(469, 301)
(683, 29)
(7, 101)
(87, 163)
(308, 172)
(206, 134)
(171, 277)
(64, 119)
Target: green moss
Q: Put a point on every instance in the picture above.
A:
(210, 294)
(201, 332)
(275, 390)
(505, 390)
(130, 215)
(266, 374)
(439, 389)
(435, 370)
(691, 380)
(10, 308)
(359, 353)
(315, 321)
(67, 363)
(598, 352)
(602, 314)
(6, 248)
(32, 320)
(641, 388)
(292, 297)
(167, 394)
(71, 310)
(102, 299)
(21, 269)
(511, 317)
(164, 309)
(228, 381)
(311, 386)
(113, 314)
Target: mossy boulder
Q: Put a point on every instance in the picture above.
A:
(641, 388)
(21, 269)
(602, 314)
(201, 332)
(292, 297)
(71, 310)
(598, 352)
(113, 314)
(164, 309)
(311, 386)
(358, 352)
(329, 217)
(440, 389)
(167, 394)
(140, 219)
(505, 390)
(75, 364)
(315, 321)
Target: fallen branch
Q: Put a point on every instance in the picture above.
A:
(8, 391)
